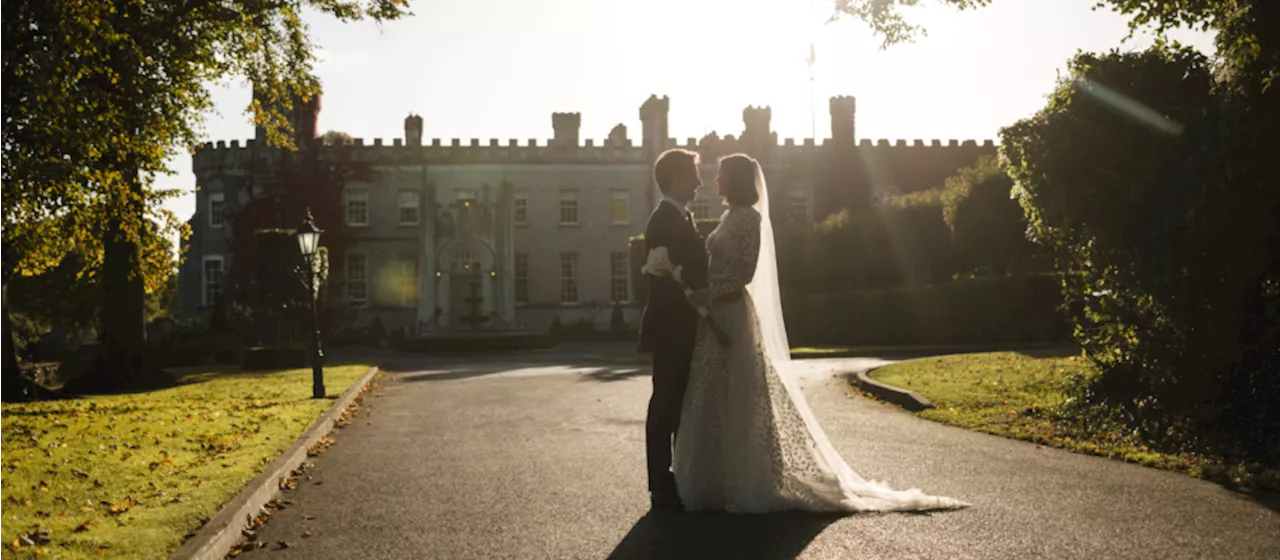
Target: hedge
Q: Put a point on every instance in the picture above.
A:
(274, 358)
(987, 310)
(475, 343)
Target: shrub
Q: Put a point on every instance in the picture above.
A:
(988, 230)
(974, 311)
(377, 333)
(274, 358)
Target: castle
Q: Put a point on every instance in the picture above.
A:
(512, 235)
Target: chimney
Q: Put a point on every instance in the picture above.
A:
(566, 127)
(843, 109)
(413, 130)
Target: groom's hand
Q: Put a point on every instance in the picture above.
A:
(699, 298)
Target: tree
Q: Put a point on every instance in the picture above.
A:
(987, 227)
(336, 138)
(1169, 264)
(98, 94)
(1164, 216)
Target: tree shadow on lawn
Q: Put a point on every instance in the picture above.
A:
(722, 535)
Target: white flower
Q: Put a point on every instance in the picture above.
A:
(659, 264)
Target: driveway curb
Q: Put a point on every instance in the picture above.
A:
(909, 400)
(216, 539)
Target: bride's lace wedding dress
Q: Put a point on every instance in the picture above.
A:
(748, 442)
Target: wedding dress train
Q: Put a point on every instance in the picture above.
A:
(748, 442)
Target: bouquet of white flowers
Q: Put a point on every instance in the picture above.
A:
(659, 264)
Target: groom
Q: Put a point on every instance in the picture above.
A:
(670, 324)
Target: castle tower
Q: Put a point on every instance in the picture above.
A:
(756, 135)
(846, 184)
(566, 126)
(653, 119)
(302, 117)
(843, 109)
(413, 130)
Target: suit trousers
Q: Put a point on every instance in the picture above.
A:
(672, 358)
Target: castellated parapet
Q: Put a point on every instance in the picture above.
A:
(908, 158)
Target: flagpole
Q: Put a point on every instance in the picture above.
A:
(813, 114)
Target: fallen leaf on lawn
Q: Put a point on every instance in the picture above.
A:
(79, 474)
(306, 534)
(38, 536)
(82, 527)
(282, 544)
(97, 484)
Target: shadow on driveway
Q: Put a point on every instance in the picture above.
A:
(722, 535)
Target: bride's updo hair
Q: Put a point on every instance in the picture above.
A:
(738, 175)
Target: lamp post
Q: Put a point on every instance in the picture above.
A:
(309, 243)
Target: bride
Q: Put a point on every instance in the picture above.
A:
(748, 442)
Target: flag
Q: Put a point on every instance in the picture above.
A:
(812, 56)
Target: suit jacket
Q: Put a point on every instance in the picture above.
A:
(668, 318)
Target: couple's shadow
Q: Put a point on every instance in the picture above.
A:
(722, 535)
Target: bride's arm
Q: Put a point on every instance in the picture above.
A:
(740, 263)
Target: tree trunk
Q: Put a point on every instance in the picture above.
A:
(10, 377)
(120, 365)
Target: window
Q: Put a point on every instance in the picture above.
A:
(619, 281)
(568, 208)
(798, 205)
(699, 210)
(357, 276)
(520, 209)
(357, 208)
(408, 204)
(212, 279)
(408, 281)
(620, 208)
(216, 213)
(465, 196)
(568, 278)
(463, 260)
(522, 277)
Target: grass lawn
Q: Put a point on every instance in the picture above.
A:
(131, 476)
(1016, 395)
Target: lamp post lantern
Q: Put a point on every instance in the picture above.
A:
(309, 244)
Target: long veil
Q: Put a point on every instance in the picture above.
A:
(854, 492)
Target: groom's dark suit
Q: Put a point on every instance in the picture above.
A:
(667, 329)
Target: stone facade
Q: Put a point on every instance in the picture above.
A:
(537, 230)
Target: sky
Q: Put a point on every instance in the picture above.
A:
(499, 68)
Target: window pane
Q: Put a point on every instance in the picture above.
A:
(619, 284)
(620, 208)
(357, 208)
(568, 277)
(568, 208)
(520, 214)
(356, 275)
(699, 209)
(212, 280)
(216, 209)
(409, 281)
(408, 205)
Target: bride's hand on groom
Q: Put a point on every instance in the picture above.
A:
(699, 298)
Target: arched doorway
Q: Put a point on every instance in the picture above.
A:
(466, 283)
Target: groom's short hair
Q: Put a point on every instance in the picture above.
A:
(670, 162)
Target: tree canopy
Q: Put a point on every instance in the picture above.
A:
(97, 95)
